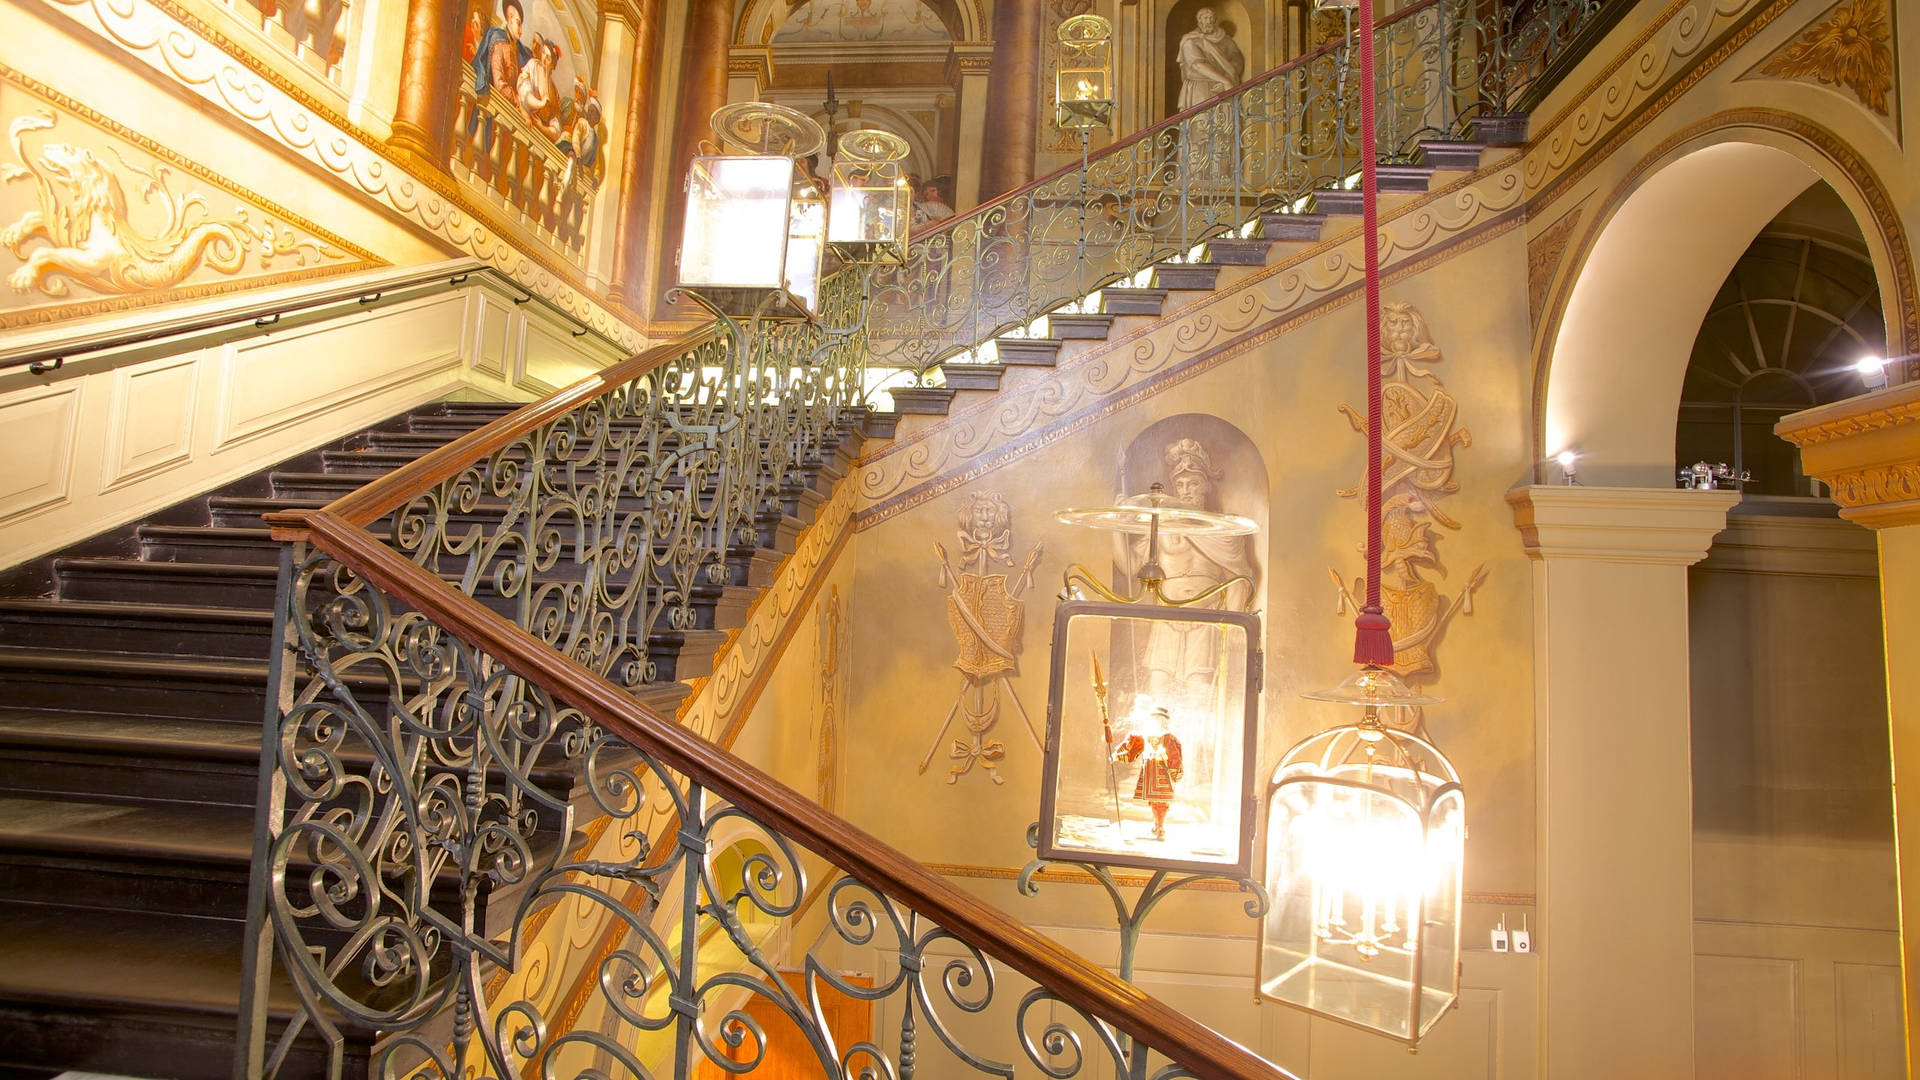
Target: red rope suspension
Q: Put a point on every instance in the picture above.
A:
(1373, 631)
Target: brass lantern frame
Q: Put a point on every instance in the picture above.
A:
(757, 131)
(1363, 747)
(1254, 663)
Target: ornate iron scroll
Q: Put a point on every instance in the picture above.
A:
(430, 800)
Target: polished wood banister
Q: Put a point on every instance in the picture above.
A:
(981, 209)
(373, 501)
(1072, 978)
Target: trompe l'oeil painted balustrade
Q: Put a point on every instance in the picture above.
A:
(502, 153)
(471, 753)
(314, 32)
(1211, 170)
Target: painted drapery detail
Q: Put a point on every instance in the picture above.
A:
(1423, 430)
(94, 217)
(987, 614)
(1851, 47)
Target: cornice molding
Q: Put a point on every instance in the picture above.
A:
(1794, 546)
(1854, 416)
(1665, 526)
(1866, 449)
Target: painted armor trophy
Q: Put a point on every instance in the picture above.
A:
(1142, 770)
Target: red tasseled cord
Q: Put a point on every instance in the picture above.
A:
(1373, 631)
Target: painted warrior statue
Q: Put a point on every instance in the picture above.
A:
(1210, 62)
(1181, 656)
(1158, 752)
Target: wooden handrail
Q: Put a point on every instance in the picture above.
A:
(980, 209)
(373, 501)
(1072, 978)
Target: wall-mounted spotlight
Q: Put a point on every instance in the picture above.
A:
(1873, 372)
(1568, 461)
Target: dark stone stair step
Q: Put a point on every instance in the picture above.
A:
(1092, 326)
(245, 511)
(150, 759)
(973, 376)
(230, 691)
(1451, 154)
(922, 400)
(1131, 301)
(1028, 352)
(140, 995)
(208, 544)
(157, 629)
(1193, 275)
(182, 859)
(1294, 228)
(1500, 130)
(1239, 250)
(224, 585)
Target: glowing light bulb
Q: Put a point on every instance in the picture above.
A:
(1873, 372)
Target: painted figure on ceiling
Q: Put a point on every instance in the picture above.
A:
(470, 38)
(1210, 62)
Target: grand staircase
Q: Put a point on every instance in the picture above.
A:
(134, 676)
(134, 670)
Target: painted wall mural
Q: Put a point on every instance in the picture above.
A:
(96, 217)
(988, 617)
(861, 20)
(1422, 430)
(1205, 463)
(529, 128)
(833, 649)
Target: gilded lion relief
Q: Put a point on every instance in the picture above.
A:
(97, 218)
(984, 587)
(1422, 428)
(1849, 48)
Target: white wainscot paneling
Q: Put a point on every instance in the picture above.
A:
(1868, 1018)
(492, 322)
(40, 425)
(1748, 1022)
(278, 380)
(150, 419)
(553, 358)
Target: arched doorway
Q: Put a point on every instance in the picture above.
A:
(1614, 663)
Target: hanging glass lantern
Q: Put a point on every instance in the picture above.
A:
(756, 220)
(1152, 710)
(872, 201)
(1083, 89)
(1366, 833)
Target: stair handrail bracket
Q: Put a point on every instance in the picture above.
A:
(1211, 170)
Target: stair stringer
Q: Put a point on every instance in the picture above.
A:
(1251, 306)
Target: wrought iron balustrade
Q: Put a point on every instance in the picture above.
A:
(463, 707)
(1263, 146)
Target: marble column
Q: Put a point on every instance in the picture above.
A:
(1013, 98)
(970, 68)
(1612, 775)
(635, 196)
(423, 113)
(703, 88)
(1867, 450)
